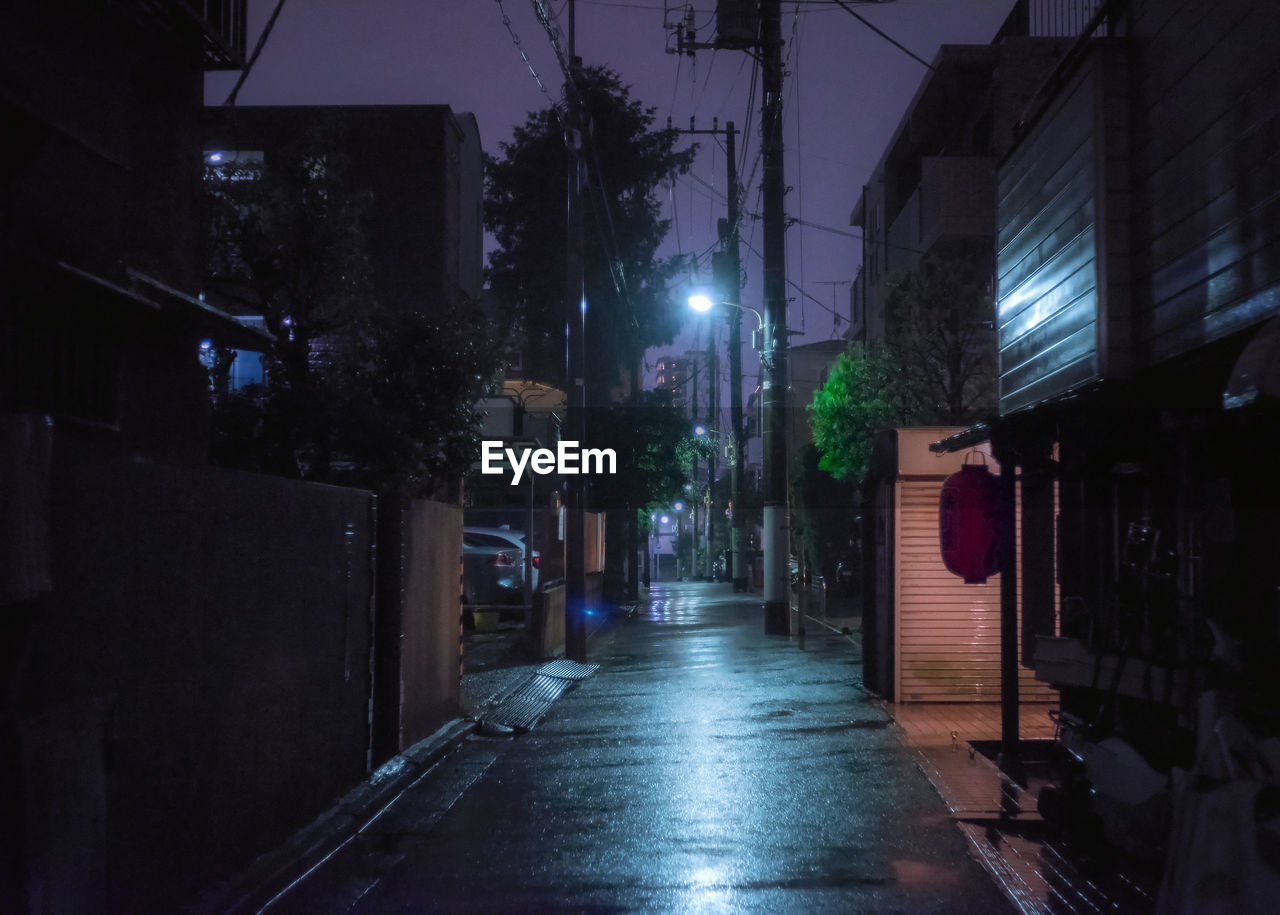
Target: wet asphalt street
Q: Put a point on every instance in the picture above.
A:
(705, 767)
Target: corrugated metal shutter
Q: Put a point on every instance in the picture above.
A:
(948, 633)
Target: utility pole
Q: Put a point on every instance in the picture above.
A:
(737, 564)
(575, 620)
(713, 433)
(727, 271)
(777, 550)
(740, 31)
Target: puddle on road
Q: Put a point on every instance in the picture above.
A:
(870, 725)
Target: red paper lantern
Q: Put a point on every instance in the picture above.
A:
(968, 524)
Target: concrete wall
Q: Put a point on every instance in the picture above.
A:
(195, 686)
(546, 632)
(431, 619)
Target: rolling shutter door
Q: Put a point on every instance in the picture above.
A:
(948, 633)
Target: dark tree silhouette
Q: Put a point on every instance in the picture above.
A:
(525, 193)
(356, 391)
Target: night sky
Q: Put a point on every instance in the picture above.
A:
(845, 91)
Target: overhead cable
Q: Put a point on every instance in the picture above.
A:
(889, 38)
(257, 49)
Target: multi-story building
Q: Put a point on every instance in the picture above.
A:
(678, 374)
(809, 365)
(932, 194)
(1138, 301)
(100, 230)
(101, 320)
(420, 166)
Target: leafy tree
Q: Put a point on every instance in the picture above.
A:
(863, 394)
(525, 193)
(938, 365)
(941, 329)
(656, 456)
(407, 388)
(289, 241)
(654, 449)
(356, 391)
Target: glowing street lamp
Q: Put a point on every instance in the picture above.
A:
(700, 301)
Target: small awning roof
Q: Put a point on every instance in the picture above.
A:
(224, 328)
(965, 438)
(157, 296)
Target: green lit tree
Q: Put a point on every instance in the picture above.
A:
(864, 392)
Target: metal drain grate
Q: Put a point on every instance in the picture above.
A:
(529, 702)
(567, 670)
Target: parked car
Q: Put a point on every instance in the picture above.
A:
(490, 574)
(505, 538)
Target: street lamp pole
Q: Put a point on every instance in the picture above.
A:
(776, 510)
(575, 365)
(737, 565)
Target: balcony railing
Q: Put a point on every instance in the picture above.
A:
(220, 25)
(224, 26)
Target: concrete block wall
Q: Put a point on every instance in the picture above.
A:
(195, 686)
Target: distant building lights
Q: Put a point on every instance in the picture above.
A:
(679, 506)
(215, 157)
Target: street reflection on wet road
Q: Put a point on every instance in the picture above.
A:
(706, 767)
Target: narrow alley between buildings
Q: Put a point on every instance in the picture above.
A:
(704, 767)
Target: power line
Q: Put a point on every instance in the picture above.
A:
(823, 305)
(889, 38)
(795, 106)
(257, 49)
(600, 201)
(506, 20)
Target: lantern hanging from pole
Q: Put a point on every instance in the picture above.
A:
(968, 523)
